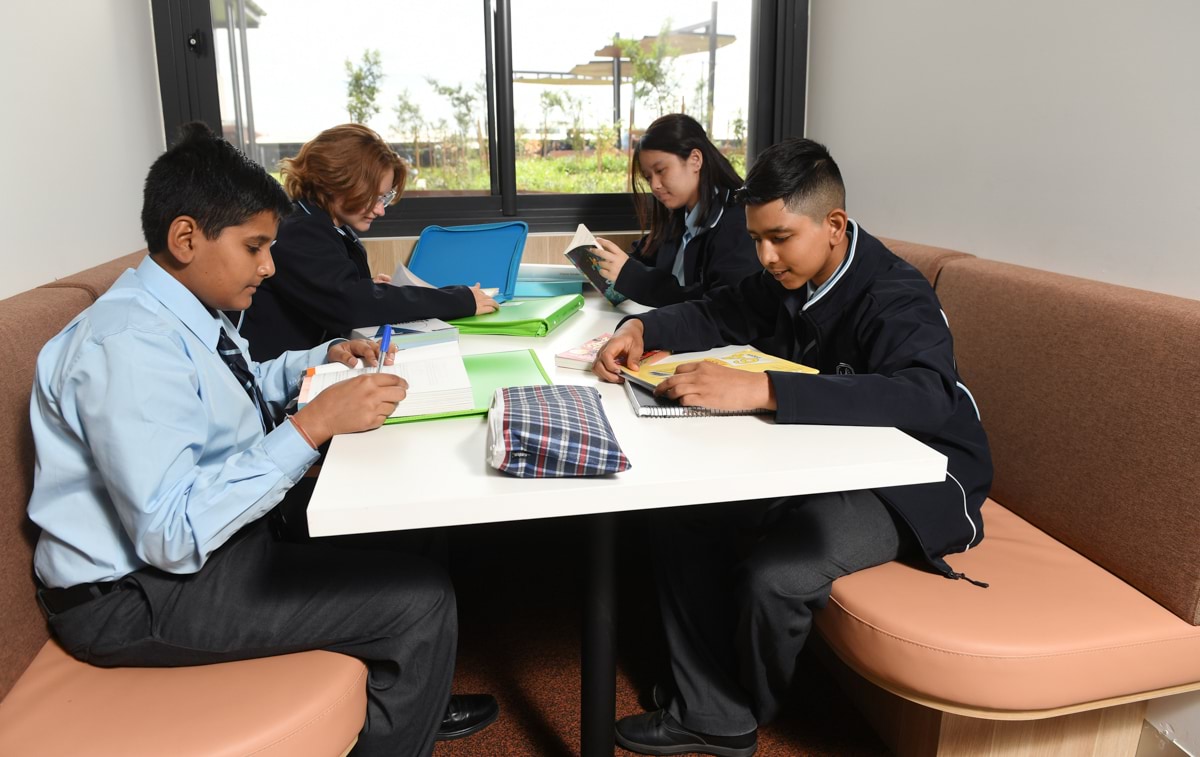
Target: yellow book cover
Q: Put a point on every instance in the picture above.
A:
(752, 360)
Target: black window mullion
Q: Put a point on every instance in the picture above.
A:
(779, 69)
(490, 81)
(505, 148)
(187, 67)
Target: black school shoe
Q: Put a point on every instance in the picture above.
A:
(467, 714)
(659, 733)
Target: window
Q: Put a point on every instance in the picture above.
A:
(574, 109)
(504, 108)
(287, 70)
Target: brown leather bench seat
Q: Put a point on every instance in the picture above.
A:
(1088, 392)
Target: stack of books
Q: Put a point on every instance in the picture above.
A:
(412, 333)
(583, 357)
(546, 280)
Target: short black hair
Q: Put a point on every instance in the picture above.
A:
(205, 177)
(802, 173)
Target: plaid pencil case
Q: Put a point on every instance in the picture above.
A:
(551, 431)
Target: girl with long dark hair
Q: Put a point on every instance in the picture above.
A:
(694, 235)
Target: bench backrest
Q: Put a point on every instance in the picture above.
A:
(1090, 394)
(27, 321)
(925, 258)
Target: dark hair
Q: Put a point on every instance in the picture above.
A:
(802, 173)
(343, 163)
(679, 135)
(205, 177)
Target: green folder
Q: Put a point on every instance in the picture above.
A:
(490, 371)
(532, 317)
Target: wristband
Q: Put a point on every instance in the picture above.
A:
(303, 433)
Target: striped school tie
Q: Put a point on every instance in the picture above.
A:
(241, 371)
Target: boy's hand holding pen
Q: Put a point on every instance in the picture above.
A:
(385, 344)
(370, 353)
(360, 403)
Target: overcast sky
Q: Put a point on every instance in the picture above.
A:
(298, 78)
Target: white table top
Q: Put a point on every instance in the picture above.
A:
(434, 473)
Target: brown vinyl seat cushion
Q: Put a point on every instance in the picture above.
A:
(310, 704)
(1053, 629)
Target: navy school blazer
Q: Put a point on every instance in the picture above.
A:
(322, 288)
(721, 254)
(885, 354)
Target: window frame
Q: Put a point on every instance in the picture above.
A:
(778, 63)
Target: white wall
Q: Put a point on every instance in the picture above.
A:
(1057, 134)
(81, 125)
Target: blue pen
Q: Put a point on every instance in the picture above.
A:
(383, 345)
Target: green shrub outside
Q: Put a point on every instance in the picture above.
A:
(570, 174)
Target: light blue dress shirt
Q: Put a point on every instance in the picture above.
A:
(691, 229)
(148, 450)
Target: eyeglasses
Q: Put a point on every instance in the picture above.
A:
(386, 199)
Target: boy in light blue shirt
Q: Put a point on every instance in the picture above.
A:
(160, 447)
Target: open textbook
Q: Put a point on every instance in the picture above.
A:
(437, 380)
(434, 367)
(639, 384)
(742, 359)
(579, 252)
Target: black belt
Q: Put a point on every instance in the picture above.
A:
(58, 601)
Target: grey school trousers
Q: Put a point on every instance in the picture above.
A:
(257, 597)
(738, 583)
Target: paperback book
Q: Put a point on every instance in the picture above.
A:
(583, 357)
(579, 252)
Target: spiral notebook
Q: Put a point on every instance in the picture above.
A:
(646, 405)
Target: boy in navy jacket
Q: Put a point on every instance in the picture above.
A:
(738, 583)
